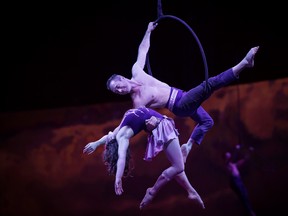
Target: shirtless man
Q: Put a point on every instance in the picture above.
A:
(146, 90)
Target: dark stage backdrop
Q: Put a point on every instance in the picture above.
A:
(43, 170)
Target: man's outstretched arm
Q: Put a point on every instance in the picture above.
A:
(144, 47)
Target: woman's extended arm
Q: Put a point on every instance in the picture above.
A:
(90, 147)
(122, 137)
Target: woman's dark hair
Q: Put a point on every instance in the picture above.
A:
(110, 157)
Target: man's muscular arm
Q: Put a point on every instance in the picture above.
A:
(144, 48)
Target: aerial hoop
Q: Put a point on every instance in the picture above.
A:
(161, 16)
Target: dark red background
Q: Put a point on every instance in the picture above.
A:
(43, 170)
(56, 59)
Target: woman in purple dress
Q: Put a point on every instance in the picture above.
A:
(162, 136)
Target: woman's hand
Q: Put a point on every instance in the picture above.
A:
(152, 123)
(118, 186)
(90, 147)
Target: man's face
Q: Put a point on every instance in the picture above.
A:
(120, 86)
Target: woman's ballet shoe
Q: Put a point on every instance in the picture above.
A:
(147, 199)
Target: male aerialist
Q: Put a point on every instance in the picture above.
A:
(145, 90)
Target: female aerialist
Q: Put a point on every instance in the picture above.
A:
(162, 136)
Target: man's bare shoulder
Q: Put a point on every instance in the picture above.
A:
(146, 79)
(138, 73)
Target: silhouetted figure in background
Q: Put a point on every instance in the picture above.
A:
(233, 163)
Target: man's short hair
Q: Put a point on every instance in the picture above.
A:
(113, 77)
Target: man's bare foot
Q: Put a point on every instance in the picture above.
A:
(249, 58)
(197, 198)
(185, 151)
(147, 199)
